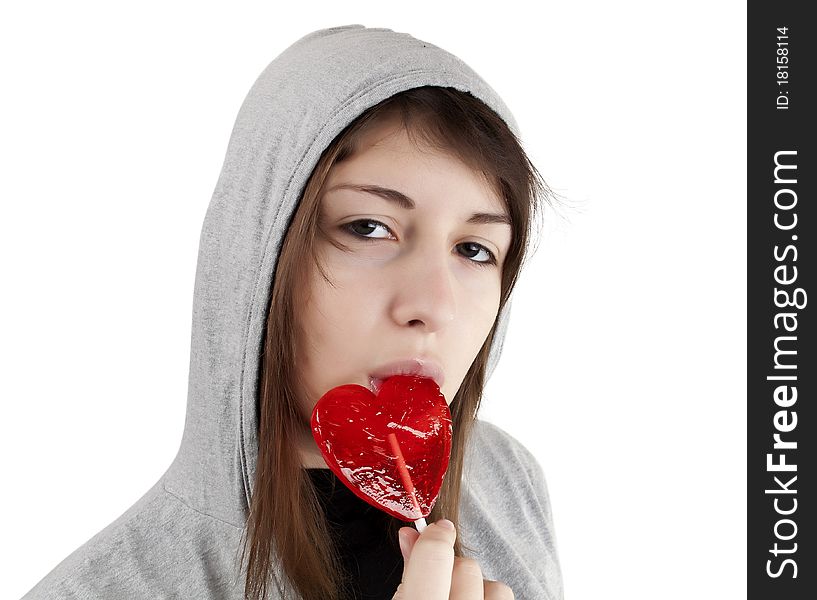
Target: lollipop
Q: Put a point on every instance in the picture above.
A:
(392, 449)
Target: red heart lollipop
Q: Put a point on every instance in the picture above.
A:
(391, 450)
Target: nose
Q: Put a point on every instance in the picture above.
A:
(424, 294)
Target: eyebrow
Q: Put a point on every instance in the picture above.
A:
(404, 201)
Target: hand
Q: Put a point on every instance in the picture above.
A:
(432, 572)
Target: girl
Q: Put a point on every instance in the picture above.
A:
(370, 219)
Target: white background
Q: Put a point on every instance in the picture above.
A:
(623, 370)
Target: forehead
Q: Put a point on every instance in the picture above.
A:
(387, 155)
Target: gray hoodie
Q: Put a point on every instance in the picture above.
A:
(181, 539)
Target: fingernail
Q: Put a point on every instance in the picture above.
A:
(446, 524)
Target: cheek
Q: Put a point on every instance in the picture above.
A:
(483, 319)
(479, 300)
(336, 324)
(319, 319)
(318, 360)
(477, 317)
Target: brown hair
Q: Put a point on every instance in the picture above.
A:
(285, 517)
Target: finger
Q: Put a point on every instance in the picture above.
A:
(428, 572)
(496, 590)
(466, 579)
(408, 536)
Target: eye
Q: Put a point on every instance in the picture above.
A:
(365, 227)
(473, 250)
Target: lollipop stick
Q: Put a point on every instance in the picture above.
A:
(420, 524)
(405, 478)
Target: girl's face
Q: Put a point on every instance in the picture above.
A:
(418, 289)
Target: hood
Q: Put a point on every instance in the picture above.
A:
(296, 107)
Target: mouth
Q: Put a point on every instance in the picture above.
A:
(420, 367)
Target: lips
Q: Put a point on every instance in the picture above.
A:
(413, 366)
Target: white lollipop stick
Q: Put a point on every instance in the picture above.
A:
(405, 478)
